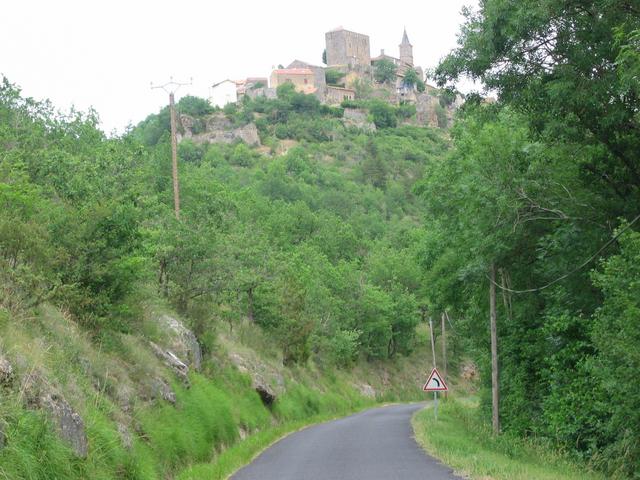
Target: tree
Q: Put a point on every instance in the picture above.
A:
(564, 64)
(333, 76)
(411, 78)
(383, 114)
(384, 71)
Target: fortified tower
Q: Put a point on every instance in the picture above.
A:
(345, 48)
(406, 51)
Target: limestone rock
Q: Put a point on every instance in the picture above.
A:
(40, 394)
(366, 390)
(125, 436)
(357, 118)
(6, 372)
(181, 341)
(3, 438)
(266, 381)
(171, 360)
(219, 129)
(163, 390)
(426, 110)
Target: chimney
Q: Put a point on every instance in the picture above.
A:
(382, 52)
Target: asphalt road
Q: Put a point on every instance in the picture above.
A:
(376, 444)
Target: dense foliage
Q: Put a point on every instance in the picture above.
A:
(315, 244)
(540, 182)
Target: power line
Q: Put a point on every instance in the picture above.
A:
(578, 268)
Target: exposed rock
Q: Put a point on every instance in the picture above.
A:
(426, 110)
(366, 390)
(219, 129)
(182, 341)
(266, 381)
(3, 438)
(187, 123)
(469, 371)
(171, 360)
(357, 118)
(163, 390)
(125, 436)
(70, 426)
(6, 372)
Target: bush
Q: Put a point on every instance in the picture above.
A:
(384, 71)
(383, 114)
(333, 76)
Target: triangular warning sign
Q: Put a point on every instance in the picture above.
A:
(435, 383)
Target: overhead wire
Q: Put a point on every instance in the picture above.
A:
(568, 274)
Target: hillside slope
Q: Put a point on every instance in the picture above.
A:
(134, 345)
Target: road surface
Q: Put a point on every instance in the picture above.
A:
(376, 444)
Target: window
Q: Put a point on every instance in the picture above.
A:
(306, 80)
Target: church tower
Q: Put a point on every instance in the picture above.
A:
(406, 51)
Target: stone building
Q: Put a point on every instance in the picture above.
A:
(319, 79)
(346, 48)
(335, 95)
(303, 79)
(406, 52)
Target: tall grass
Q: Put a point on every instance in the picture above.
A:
(463, 441)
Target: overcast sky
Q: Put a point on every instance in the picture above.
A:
(105, 54)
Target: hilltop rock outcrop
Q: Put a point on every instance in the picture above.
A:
(218, 129)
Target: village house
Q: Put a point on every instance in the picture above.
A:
(303, 79)
(223, 92)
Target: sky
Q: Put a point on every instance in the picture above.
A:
(105, 55)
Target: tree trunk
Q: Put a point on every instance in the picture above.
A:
(495, 393)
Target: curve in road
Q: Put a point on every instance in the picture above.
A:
(377, 444)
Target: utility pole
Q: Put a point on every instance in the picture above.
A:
(171, 87)
(433, 352)
(444, 351)
(495, 394)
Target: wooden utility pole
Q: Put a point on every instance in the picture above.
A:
(433, 352)
(444, 351)
(495, 393)
(171, 87)
(174, 156)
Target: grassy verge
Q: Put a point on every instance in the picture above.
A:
(241, 454)
(465, 443)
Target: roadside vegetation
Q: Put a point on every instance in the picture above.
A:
(325, 251)
(463, 441)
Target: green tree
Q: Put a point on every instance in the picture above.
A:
(333, 76)
(384, 71)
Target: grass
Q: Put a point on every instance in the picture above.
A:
(241, 454)
(463, 441)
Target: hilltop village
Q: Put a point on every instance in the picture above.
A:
(351, 73)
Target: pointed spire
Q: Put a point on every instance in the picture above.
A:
(405, 38)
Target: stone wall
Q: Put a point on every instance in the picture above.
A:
(335, 95)
(426, 110)
(347, 48)
(358, 118)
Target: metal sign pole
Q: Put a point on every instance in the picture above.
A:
(435, 405)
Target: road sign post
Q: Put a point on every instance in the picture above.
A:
(435, 384)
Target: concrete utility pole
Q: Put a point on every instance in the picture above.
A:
(495, 393)
(171, 87)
